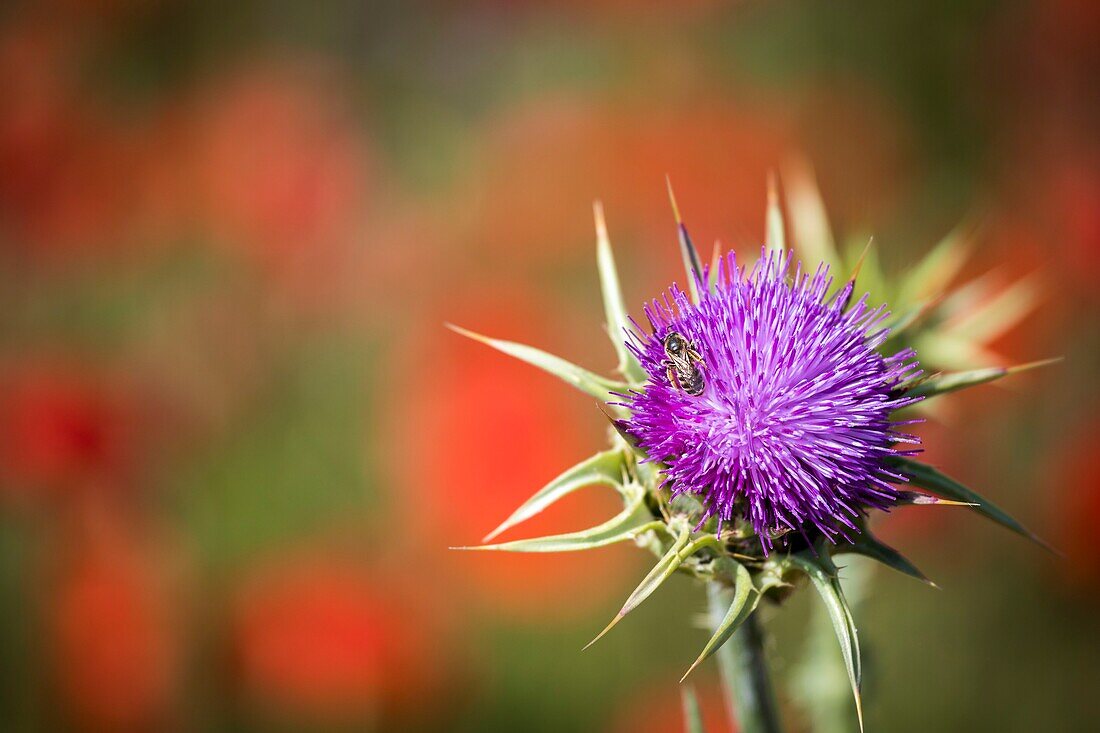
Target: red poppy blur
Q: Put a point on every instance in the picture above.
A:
(1076, 481)
(325, 640)
(281, 171)
(1065, 31)
(112, 627)
(478, 434)
(1074, 214)
(1050, 144)
(63, 429)
(68, 171)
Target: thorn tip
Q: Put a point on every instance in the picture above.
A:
(601, 222)
(672, 200)
(691, 669)
(859, 263)
(618, 617)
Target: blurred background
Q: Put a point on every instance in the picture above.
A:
(237, 440)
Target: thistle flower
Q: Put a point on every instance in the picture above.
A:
(769, 401)
(793, 420)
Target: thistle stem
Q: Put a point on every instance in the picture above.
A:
(750, 700)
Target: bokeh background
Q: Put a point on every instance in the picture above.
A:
(237, 440)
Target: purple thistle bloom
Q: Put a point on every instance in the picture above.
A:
(792, 423)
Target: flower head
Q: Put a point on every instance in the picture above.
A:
(792, 422)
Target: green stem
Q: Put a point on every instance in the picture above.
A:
(750, 699)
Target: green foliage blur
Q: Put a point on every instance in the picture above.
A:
(236, 440)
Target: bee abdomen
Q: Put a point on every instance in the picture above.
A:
(693, 384)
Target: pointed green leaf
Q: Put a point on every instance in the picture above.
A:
(823, 575)
(997, 315)
(870, 546)
(944, 383)
(813, 237)
(693, 717)
(664, 568)
(862, 257)
(620, 428)
(613, 304)
(931, 276)
(632, 521)
(692, 266)
(775, 235)
(582, 379)
(926, 477)
(918, 498)
(603, 468)
(745, 599)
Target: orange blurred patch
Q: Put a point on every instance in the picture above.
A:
(661, 711)
(543, 164)
(112, 626)
(325, 640)
(860, 147)
(477, 433)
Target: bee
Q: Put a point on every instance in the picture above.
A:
(683, 365)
